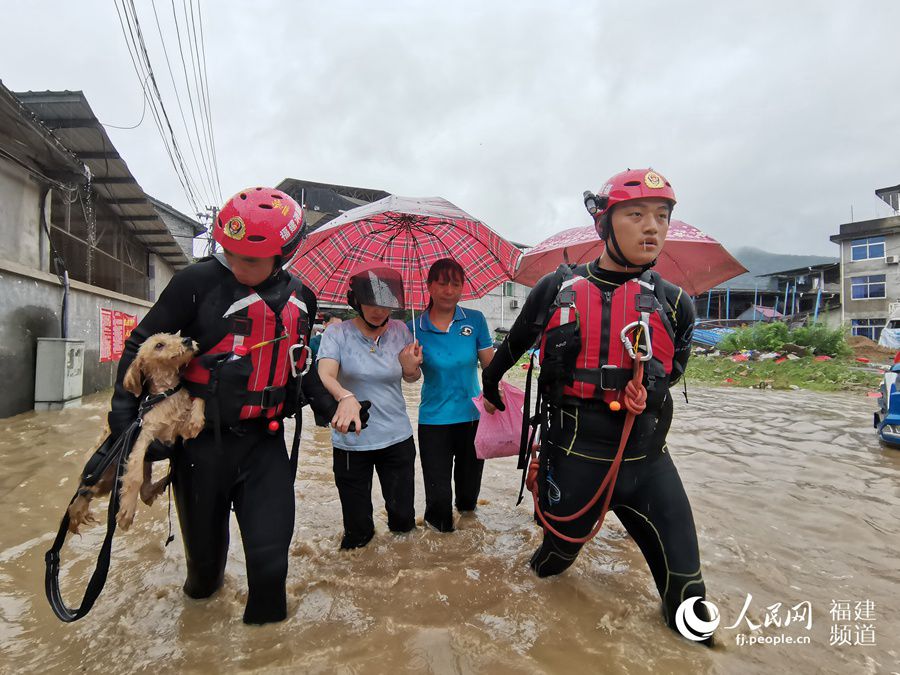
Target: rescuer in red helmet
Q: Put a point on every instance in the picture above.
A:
(251, 321)
(614, 337)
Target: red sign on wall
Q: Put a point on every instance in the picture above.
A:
(115, 327)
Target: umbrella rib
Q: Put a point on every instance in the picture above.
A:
(418, 255)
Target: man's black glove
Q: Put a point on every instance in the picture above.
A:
(316, 395)
(324, 407)
(363, 415)
(491, 391)
(331, 408)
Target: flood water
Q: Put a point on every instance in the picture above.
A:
(794, 499)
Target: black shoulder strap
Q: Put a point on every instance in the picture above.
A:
(659, 290)
(296, 285)
(563, 273)
(206, 335)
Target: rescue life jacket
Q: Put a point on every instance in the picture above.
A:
(583, 357)
(254, 384)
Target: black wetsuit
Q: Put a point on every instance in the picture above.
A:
(580, 441)
(250, 471)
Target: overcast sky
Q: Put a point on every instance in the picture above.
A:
(771, 119)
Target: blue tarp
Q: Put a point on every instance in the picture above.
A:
(710, 336)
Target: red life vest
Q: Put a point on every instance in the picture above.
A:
(256, 326)
(590, 320)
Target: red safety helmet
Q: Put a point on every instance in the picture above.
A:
(260, 222)
(625, 186)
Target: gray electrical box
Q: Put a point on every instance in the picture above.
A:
(59, 372)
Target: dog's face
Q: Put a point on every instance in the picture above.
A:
(159, 360)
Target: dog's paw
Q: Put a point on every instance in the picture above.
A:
(80, 514)
(148, 496)
(150, 491)
(194, 427)
(125, 516)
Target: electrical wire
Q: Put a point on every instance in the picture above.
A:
(155, 88)
(141, 61)
(198, 79)
(143, 111)
(212, 135)
(208, 183)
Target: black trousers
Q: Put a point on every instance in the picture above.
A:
(446, 449)
(649, 500)
(395, 466)
(250, 472)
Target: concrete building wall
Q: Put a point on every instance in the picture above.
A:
(181, 231)
(30, 307)
(161, 274)
(497, 305)
(20, 215)
(831, 319)
(876, 308)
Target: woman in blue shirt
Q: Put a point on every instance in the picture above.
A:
(365, 359)
(454, 340)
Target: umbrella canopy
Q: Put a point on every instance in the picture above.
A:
(408, 234)
(691, 259)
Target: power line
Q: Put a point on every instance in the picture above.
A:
(171, 132)
(212, 135)
(204, 91)
(187, 85)
(138, 68)
(207, 185)
(140, 59)
(198, 85)
(143, 111)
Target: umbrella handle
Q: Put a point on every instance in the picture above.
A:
(414, 322)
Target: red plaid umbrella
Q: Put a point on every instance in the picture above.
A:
(409, 235)
(691, 259)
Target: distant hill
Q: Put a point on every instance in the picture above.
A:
(759, 262)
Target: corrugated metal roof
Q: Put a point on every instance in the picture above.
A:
(38, 145)
(72, 121)
(359, 195)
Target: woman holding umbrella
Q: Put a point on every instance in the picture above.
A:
(614, 338)
(454, 340)
(364, 359)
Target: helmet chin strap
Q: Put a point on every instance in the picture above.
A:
(614, 250)
(372, 325)
(351, 297)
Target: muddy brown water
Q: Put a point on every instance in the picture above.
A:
(794, 499)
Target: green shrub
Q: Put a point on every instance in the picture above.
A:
(771, 337)
(764, 337)
(821, 339)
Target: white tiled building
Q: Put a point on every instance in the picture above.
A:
(870, 269)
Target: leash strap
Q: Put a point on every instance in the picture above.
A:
(171, 537)
(98, 579)
(119, 453)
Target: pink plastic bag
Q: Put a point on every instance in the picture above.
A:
(499, 434)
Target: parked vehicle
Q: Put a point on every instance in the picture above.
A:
(887, 417)
(890, 334)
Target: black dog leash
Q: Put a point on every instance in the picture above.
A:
(108, 453)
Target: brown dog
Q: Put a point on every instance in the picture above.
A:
(158, 365)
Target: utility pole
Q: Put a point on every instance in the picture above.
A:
(208, 219)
